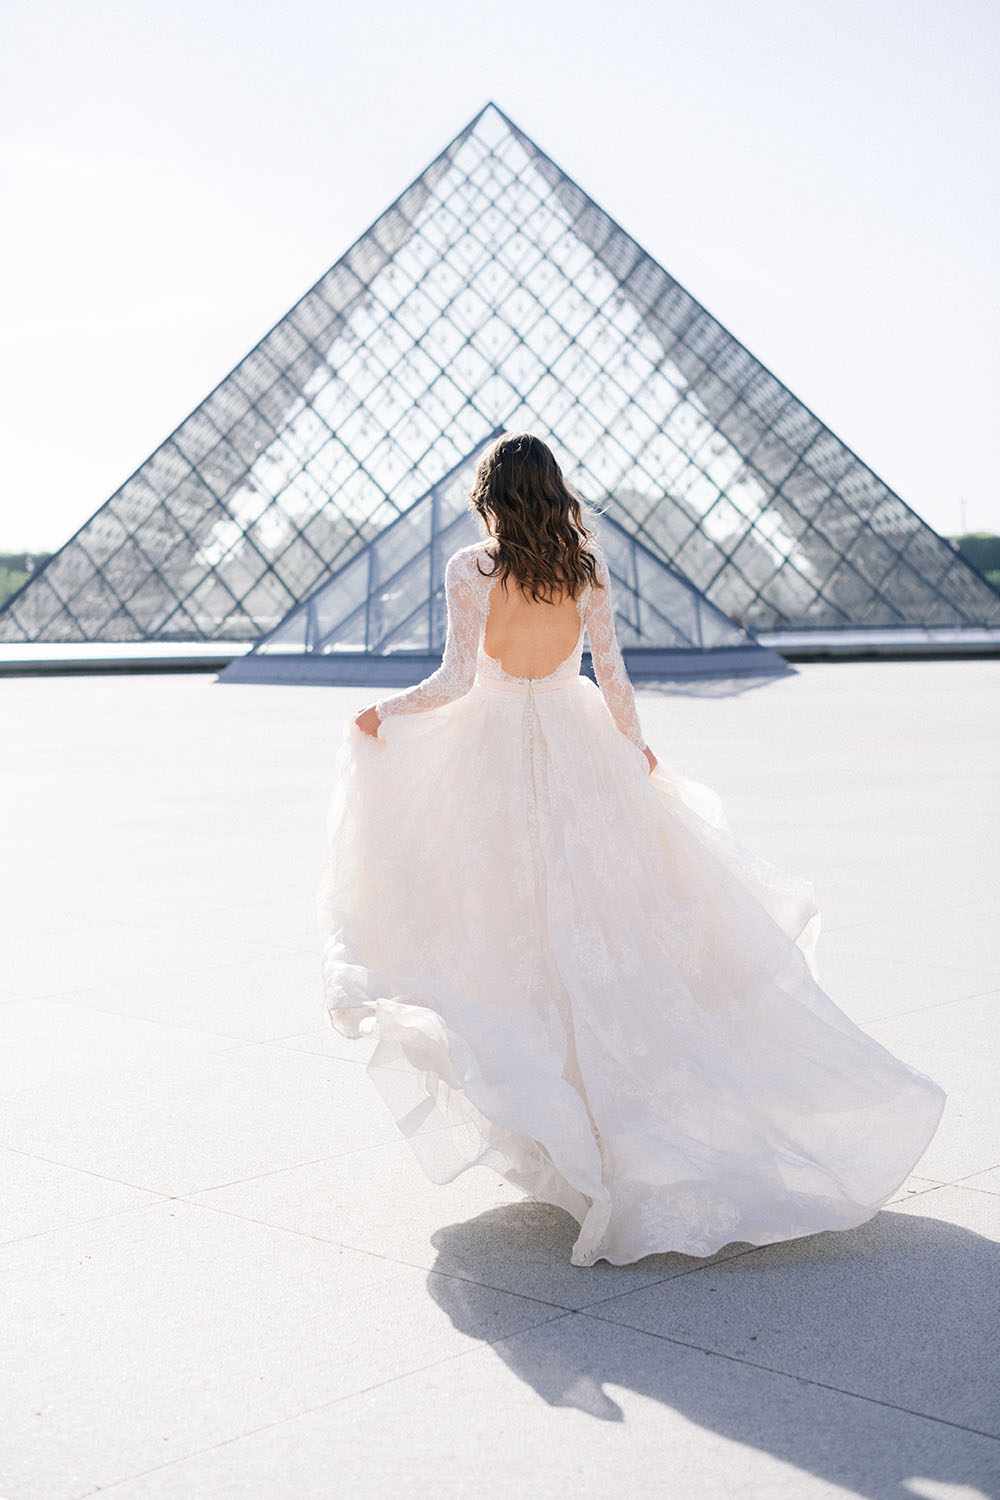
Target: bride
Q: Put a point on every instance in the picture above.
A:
(571, 971)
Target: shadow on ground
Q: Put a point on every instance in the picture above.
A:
(711, 686)
(863, 1357)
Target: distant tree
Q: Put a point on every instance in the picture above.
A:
(982, 550)
(16, 568)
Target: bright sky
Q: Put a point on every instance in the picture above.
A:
(822, 177)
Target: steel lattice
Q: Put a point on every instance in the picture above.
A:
(494, 294)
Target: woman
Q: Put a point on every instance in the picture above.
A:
(572, 971)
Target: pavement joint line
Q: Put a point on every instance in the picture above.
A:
(394, 1260)
(70, 1166)
(115, 1213)
(85, 989)
(479, 1346)
(966, 1187)
(913, 961)
(932, 1187)
(934, 1005)
(156, 973)
(711, 1265)
(838, 924)
(286, 1042)
(273, 1041)
(921, 965)
(791, 1375)
(312, 1161)
(123, 1015)
(955, 1181)
(184, 1197)
(188, 1195)
(674, 1276)
(61, 998)
(283, 1040)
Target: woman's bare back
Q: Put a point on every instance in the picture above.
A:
(529, 637)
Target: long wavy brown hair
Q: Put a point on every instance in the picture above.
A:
(538, 525)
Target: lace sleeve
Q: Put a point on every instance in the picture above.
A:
(605, 653)
(457, 672)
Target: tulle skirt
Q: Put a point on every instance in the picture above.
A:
(574, 975)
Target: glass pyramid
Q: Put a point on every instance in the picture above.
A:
(494, 294)
(383, 616)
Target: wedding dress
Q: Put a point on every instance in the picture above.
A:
(575, 975)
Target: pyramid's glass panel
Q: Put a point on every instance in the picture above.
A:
(495, 294)
(390, 598)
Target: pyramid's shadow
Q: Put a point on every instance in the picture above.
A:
(860, 1356)
(711, 685)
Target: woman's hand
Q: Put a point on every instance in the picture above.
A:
(368, 721)
(653, 762)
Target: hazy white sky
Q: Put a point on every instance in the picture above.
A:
(823, 177)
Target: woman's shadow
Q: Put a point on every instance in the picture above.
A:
(862, 1356)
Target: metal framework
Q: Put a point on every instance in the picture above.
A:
(383, 615)
(494, 294)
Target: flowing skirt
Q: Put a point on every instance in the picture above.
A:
(575, 975)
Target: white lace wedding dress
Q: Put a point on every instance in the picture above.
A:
(576, 976)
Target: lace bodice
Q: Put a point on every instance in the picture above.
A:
(467, 592)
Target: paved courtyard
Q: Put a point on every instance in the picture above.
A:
(223, 1273)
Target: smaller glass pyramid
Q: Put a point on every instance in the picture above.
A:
(383, 617)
